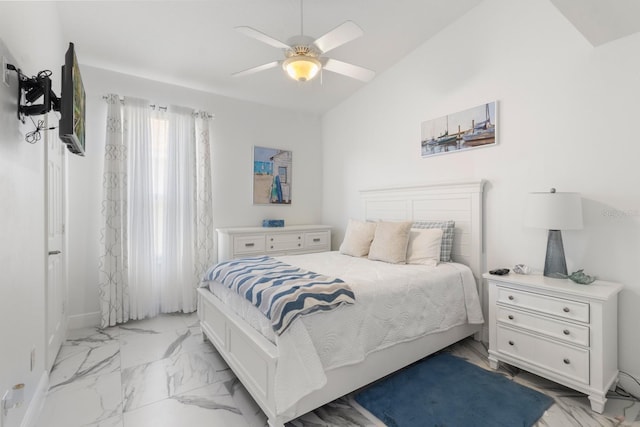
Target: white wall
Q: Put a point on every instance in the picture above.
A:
(567, 116)
(22, 196)
(238, 126)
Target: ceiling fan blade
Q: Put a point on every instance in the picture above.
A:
(256, 69)
(349, 70)
(340, 35)
(260, 36)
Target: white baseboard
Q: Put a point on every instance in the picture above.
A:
(85, 320)
(35, 407)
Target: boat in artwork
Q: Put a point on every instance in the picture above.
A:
(440, 143)
(483, 132)
(446, 138)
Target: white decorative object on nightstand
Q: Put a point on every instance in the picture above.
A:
(238, 242)
(557, 329)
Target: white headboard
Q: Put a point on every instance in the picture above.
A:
(458, 201)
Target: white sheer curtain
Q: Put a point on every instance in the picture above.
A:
(167, 216)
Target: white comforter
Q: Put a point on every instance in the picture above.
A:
(394, 303)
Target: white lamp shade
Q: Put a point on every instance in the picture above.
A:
(554, 211)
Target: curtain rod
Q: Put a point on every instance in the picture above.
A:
(164, 108)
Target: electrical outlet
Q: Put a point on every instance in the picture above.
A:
(5, 72)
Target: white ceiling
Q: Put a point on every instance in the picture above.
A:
(602, 21)
(194, 44)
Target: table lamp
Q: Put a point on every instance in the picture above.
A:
(555, 212)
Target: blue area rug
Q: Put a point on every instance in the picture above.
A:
(444, 390)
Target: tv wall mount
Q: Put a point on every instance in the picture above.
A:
(30, 90)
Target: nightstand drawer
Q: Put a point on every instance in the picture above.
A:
(248, 244)
(568, 361)
(284, 241)
(559, 307)
(568, 332)
(312, 240)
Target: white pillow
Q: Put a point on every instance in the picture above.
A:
(358, 238)
(390, 242)
(424, 246)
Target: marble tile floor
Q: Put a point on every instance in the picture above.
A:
(160, 373)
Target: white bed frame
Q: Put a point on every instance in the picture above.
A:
(253, 358)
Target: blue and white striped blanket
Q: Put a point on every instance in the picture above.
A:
(281, 291)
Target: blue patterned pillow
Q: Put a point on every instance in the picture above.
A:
(447, 235)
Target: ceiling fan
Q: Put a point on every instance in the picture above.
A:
(304, 56)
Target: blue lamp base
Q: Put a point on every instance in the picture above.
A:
(554, 264)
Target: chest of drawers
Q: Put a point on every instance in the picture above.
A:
(240, 242)
(557, 329)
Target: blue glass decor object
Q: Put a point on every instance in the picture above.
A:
(581, 277)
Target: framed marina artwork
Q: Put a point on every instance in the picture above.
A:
(272, 176)
(472, 128)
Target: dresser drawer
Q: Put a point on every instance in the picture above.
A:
(313, 240)
(248, 244)
(568, 332)
(284, 242)
(568, 361)
(559, 307)
(238, 242)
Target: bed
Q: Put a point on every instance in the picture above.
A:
(288, 379)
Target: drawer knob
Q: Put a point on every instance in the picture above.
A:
(272, 239)
(566, 332)
(511, 297)
(249, 245)
(316, 239)
(511, 342)
(510, 317)
(299, 237)
(271, 246)
(299, 245)
(566, 361)
(566, 309)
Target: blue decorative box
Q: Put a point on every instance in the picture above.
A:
(273, 222)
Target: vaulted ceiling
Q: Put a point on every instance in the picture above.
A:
(194, 44)
(602, 21)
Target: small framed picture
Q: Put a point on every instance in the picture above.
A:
(272, 176)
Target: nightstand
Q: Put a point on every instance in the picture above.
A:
(556, 329)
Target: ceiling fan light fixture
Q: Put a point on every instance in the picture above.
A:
(302, 68)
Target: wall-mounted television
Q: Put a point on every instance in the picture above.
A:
(72, 104)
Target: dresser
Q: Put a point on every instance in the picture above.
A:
(238, 242)
(556, 329)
